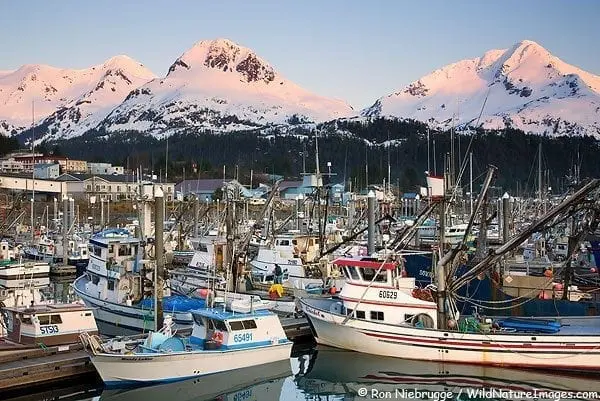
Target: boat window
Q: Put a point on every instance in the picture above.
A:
(249, 324)
(376, 315)
(123, 251)
(198, 320)
(26, 319)
(88, 313)
(349, 311)
(111, 249)
(202, 247)
(408, 318)
(381, 276)
(111, 285)
(295, 241)
(97, 251)
(284, 242)
(368, 274)
(236, 325)
(352, 273)
(218, 325)
(95, 279)
(360, 314)
(55, 319)
(44, 319)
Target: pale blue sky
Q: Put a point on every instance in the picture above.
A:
(353, 50)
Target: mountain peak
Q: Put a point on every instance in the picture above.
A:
(523, 87)
(226, 56)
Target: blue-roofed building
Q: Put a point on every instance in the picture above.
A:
(46, 170)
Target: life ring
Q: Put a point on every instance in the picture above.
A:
(217, 337)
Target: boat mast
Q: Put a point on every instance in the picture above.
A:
(32, 169)
(471, 182)
(440, 272)
(159, 271)
(540, 198)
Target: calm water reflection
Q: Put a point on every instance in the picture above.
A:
(330, 374)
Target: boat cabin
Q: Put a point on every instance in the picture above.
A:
(215, 329)
(380, 291)
(52, 324)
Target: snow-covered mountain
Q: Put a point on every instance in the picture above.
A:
(526, 88)
(66, 102)
(219, 85)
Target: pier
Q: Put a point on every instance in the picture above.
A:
(40, 366)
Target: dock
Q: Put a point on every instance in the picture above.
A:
(296, 329)
(41, 366)
(63, 270)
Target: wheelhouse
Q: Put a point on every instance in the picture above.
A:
(223, 330)
(379, 291)
(49, 324)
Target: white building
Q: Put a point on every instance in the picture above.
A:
(116, 187)
(104, 168)
(11, 165)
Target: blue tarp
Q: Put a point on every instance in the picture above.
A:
(175, 303)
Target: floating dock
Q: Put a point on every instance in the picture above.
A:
(40, 366)
(296, 329)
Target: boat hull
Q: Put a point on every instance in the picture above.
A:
(24, 271)
(142, 369)
(118, 319)
(537, 351)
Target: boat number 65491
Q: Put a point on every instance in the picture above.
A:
(388, 294)
(49, 329)
(240, 338)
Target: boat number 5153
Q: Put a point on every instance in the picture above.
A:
(388, 294)
(49, 329)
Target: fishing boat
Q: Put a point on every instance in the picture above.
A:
(47, 324)
(43, 248)
(14, 268)
(247, 384)
(379, 311)
(114, 286)
(388, 316)
(221, 341)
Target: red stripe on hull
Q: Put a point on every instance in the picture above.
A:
(480, 344)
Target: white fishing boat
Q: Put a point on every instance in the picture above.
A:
(246, 384)
(43, 248)
(113, 286)
(291, 253)
(221, 341)
(13, 267)
(47, 324)
(380, 312)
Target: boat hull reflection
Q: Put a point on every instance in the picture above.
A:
(331, 371)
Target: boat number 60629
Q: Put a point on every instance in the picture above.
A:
(388, 294)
